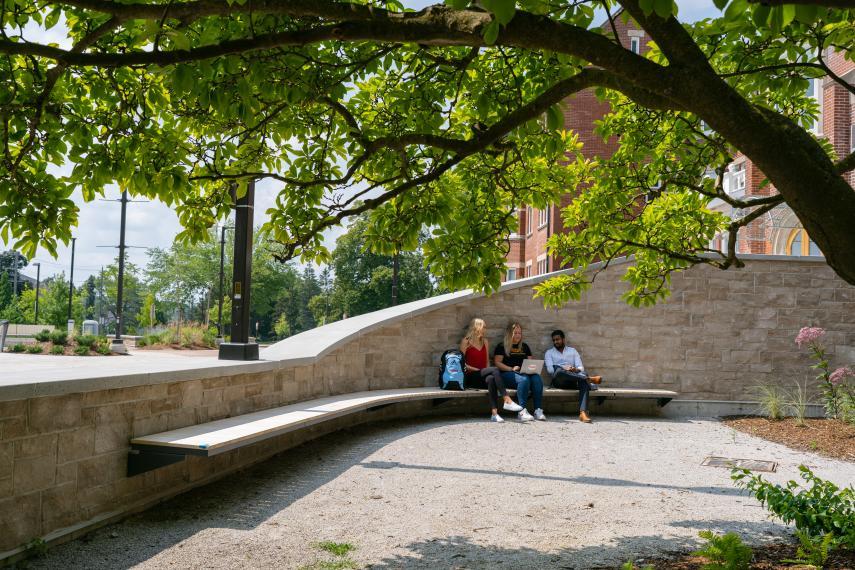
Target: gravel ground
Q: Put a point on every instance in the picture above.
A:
(461, 493)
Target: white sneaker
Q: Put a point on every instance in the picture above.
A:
(512, 407)
(497, 419)
(524, 416)
(539, 415)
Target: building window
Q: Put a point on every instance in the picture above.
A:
(528, 215)
(512, 275)
(736, 180)
(541, 267)
(528, 269)
(815, 91)
(542, 216)
(800, 244)
(635, 45)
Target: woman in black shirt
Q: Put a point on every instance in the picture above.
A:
(508, 357)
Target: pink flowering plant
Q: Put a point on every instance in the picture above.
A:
(836, 390)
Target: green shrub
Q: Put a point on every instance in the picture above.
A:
(813, 551)
(86, 340)
(34, 349)
(630, 565)
(817, 509)
(773, 400)
(141, 342)
(81, 350)
(18, 347)
(724, 552)
(57, 349)
(103, 349)
(43, 336)
(59, 337)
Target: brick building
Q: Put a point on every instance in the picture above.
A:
(778, 232)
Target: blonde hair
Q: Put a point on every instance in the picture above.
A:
(476, 326)
(509, 335)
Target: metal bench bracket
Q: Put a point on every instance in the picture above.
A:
(143, 460)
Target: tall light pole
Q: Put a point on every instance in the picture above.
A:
(240, 348)
(118, 345)
(222, 276)
(71, 286)
(38, 283)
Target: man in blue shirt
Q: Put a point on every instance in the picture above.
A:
(568, 373)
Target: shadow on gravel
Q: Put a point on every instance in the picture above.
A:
(456, 552)
(241, 501)
(602, 481)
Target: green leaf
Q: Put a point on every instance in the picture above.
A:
(646, 6)
(554, 118)
(664, 8)
(504, 10)
(491, 32)
(457, 4)
(720, 4)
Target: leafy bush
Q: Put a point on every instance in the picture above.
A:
(34, 349)
(817, 509)
(141, 342)
(81, 350)
(813, 550)
(18, 347)
(103, 349)
(43, 335)
(630, 565)
(59, 337)
(57, 349)
(724, 552)
(86, 340)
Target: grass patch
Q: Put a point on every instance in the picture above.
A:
(34, 349)
(336, 548)
(345, 564)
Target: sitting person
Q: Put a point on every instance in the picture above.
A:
(565, 365)
(475, 349)
(508, 357)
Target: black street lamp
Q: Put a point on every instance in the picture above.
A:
(222, 276)
(118, 345)
(71, 286)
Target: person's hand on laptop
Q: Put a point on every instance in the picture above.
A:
(516, 368)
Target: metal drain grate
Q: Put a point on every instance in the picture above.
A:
(752, 464)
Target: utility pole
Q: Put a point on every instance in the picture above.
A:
(38, 283)
(222, 276)
(395, 279)
(118, 345)
(71, 287)
(240, 348)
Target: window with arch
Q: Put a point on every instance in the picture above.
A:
(799, 243)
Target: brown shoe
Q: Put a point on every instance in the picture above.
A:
(595, 379)
(583, 417)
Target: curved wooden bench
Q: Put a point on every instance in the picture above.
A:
(212, 438)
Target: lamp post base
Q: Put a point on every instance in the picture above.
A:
(238, 351)
(118, 346)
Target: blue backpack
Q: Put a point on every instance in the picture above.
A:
(452, 365)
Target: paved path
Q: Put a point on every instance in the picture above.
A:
(461, 493)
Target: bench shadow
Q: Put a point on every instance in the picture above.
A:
(586, 480)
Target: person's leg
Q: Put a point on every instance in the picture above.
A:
(584, 388)
(523, 387)
(537, 390)
(509, 379)
(492, 389)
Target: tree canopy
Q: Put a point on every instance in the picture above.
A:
(444, 118)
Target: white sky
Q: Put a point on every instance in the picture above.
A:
(154, 224)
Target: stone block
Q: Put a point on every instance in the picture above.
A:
(191, 393)
(33, 474)
(36, 446)
(76, 444)
(147, 426)
(255, 389)
(13, 428)
(212, 383)
(59, 507)
(164, 404)
(54, 413)
(6, 486)
(102, 469)
(66, 473)
(25, 525)
(7, 451)
(94, 500)
(181, 418)
(212, 397)
(112, 429)
(13, 409)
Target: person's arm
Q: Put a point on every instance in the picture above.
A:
(550, 365)
(497, 360)
(464, 344)
(577, 361)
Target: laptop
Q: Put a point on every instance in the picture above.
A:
(531, 366)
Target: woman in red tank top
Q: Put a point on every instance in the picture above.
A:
(476, 350)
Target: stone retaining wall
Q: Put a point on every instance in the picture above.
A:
(63, 457)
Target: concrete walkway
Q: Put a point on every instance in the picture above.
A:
(461, 493)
